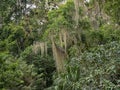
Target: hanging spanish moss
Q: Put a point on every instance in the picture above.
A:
(64, 37)
(35, 47)
(59, 56)
(40, 47)
(45, 46)
(65, 40)
(61, 40)
(76, 3)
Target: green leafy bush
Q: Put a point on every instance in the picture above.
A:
(44, 67)
(94, 69)
(15, 74)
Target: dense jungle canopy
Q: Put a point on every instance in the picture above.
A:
(59, 44)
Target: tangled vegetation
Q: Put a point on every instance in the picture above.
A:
(59, 45)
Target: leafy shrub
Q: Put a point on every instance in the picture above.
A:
(94, 69)
(44, 67)
(15, 74)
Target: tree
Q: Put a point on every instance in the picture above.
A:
(112, 8)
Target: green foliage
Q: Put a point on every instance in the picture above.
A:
(44, 67)
(15, 74)
(105, 34)
(15, 37)
(96, 69)
(10, 74)
(62, 17)
(84, 24)
(112, 8)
